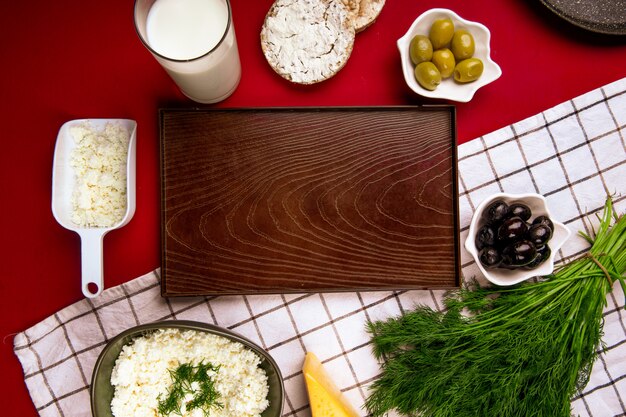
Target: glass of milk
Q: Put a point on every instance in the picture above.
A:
(194, 40)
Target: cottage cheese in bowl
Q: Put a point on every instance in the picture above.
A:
(144, 375)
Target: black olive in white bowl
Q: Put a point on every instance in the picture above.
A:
(513, 237)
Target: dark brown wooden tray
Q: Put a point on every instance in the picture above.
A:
(308, 199)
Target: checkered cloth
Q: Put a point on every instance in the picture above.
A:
(574, 154)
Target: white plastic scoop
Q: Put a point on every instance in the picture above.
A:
(63, 183)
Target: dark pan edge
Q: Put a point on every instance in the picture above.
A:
(604, 29)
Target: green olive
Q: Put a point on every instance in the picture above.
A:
(444, 61)
(420, 49)
(427, 75)
(441, 33)
(462, 45)
(468, 70)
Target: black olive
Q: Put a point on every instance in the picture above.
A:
(512, 229)
(544, 220)
(518, 253)
(496, 212)
(543, 253)
(539, 234)
(520, 210)
(486, 236)
(489, 257)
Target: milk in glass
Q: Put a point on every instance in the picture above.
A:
(194, 40)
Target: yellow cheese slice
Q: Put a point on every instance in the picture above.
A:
(324, 397)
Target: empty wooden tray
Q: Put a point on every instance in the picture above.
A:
(308, 199)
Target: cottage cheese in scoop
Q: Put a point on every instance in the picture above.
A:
(142, 373)
(99, 162)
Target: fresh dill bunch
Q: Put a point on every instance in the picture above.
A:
(517, 351)
(195, 380)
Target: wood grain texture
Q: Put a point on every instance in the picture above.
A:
(302, 200)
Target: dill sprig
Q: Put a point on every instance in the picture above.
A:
(195, 380)
(514, 351)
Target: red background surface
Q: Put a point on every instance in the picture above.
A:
(80, 59)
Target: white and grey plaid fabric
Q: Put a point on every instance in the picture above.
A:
(574, 154)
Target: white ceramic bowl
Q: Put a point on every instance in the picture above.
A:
(449, 89)
(538, 206)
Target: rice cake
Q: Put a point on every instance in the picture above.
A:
(367, 13)
(307, 41)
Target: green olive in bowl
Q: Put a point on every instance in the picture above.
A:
(444, 61)
(420, 49)
(468, 70)
(462, 45)
(427, 75)
(441, 32)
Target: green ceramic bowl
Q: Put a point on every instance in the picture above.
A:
(101, 390)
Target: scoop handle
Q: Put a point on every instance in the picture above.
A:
(91, 262)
